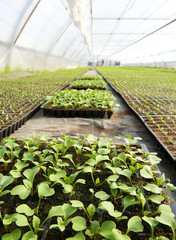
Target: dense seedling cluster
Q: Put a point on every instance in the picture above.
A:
(84, 84)
(90, 77)
(71, 188)
(20, 96)
(81, 99)
(151, 92)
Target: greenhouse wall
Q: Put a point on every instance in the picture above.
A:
(171, 65)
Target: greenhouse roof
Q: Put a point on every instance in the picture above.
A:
(60, 33)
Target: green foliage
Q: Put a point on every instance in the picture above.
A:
(22, 94)
(80, 99)
(97, 84)
(135, 224)
(124, 182)
(90, 77)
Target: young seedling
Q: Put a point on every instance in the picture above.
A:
(130, 141)
(43, 191)
(67, 183)
(24, 190)
(152, 222)
(168, 220)
(89, 211)
(12, 146)
(64, 217)
(4, 182)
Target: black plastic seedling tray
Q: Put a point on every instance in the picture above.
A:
(77, 113)
(163, 148)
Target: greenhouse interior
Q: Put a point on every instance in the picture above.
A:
(87, 119)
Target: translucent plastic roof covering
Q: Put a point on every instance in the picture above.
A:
(63, 33)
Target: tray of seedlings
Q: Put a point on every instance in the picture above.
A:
(80, 103)
(84, 84)
(90, 77)
(92, 188)
(20, 98)
(151, 94)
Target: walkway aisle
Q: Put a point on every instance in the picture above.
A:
(123, 121)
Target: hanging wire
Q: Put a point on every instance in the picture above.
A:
(138, 26)
(124, 11)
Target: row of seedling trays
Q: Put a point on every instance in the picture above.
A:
(19, 98)
(86, 98)
(153, 99)
(70, 188)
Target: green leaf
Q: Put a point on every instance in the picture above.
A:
(21, 220)
(103, 151)
(78, 236)
(122, 157)
(94, 227)
(55, 211)
(24, 208)
(152, 188)
(9, 219)
(5, 181)
(170, 187)
(106, 228)
(127, 173)
(135, 224)
(112, 178)
(102, 195)
(48, 158)
(146, 172)
(60, 224)
(168, 220)
(35, 222)
(27, 184)
(44, 190)
(10, 144)
(80, 180)
(67, 188)
(76, 203)
(108, 206)
(30, 236)
(91, 162)
(151, 221)
(21, 190)
(30, 173)
(160, 238)
(154, 160)
(4, 193)
(15, 235)
(101, 158)
(67, 210)
(55, 177)
(115, 170)
(91, 210)
(15, 173)
(97, 181)
(163, 208)
(156, 198)
(79, 223)
(20, 165)
(68, 143)
(87, 169)
(117, 235)
(142, 198)
(129, 201)
(28, 156)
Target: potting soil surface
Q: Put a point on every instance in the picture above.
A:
(123, 121)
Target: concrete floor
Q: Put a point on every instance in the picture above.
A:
(123, 121)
